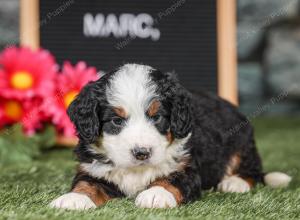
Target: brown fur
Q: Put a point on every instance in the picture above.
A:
(169, 187)
(120, 112)
(250, 181)
(233, 165)
(97, 195)
(153, 109)
(170, 137)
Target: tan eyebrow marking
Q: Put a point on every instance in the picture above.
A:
(169, 137)
(120, 112)
(153, 109)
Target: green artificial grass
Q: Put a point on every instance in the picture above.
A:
(27, 188)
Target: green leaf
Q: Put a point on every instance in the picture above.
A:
(16, 147)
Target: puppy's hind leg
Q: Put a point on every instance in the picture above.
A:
(243, 171)
(234, 184)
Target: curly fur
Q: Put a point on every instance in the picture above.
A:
(191, 138)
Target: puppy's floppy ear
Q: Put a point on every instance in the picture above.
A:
(181, 116)
(181, 119)
(84, 113)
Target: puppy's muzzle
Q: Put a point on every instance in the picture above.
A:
(141, 153)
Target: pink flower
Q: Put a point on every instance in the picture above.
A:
(26, 112)
(26, 73)
(69, 83)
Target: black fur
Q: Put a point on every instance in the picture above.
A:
(87, 111)
(207, 117)
(84, 112)
(177, 100)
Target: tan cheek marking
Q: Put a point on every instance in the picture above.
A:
(169, 187)
(169, 137)
(97, 195)
(233, 164)
(183, 163)
(153, 109)
(120, 112)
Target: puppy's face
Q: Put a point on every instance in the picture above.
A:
(137, 113)
(137, 137)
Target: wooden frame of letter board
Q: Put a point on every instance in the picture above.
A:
(226, 41)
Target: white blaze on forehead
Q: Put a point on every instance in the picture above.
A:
(131, 88)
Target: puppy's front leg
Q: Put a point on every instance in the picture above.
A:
(160, 194)
(86, 193)
(83, 196)
(171, 191)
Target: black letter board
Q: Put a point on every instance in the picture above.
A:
(172, 35)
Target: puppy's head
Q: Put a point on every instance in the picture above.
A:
(134, 114)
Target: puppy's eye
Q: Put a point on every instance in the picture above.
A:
(156, 118)
(117, 121)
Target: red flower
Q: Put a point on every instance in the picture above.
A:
(27, 112)
(69, 83)
(26, 73)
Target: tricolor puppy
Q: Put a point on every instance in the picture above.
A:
(144, 136)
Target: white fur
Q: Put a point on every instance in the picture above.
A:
(137, 132)
(156, 197)
(233, 184)
(277, 179)
(96, 169)
(132, 180)
(132, 89)
(73, 201)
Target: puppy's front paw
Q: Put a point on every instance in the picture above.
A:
(155, 197)
(234, 184)
(73, 201)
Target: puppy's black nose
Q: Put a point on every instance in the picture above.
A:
(141, 153)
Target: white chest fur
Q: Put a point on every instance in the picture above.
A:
(135, 179)
(130, 180)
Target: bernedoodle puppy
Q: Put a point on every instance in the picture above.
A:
(143, 135)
